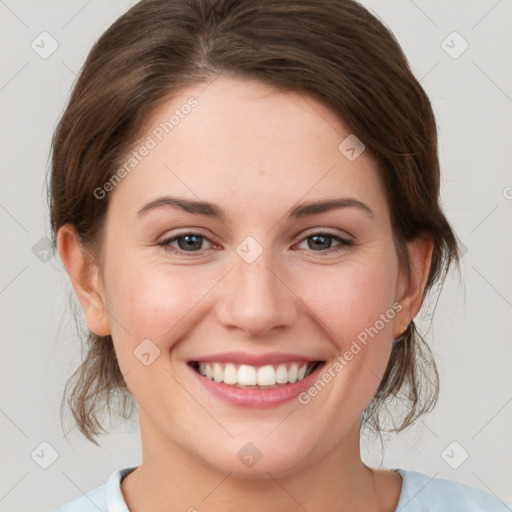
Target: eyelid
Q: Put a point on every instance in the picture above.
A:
(343, 242)
(166, 239)
(328, 231)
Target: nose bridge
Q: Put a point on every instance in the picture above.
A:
(256, 300)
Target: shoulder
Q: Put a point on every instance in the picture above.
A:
(105, 498)
(422, 493)
(92, 500)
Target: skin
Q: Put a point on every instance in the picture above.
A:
(256, 152)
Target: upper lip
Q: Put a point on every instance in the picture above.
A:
(254, 359)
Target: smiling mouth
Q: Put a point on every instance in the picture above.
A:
(255, 377)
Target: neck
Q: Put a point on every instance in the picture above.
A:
(170, 479)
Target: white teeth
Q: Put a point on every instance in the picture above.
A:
(230, 374)
(246, 375)
(292, 373)
(266, 376)
(282, 374)
(218, 374)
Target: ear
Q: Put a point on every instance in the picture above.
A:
(83, 272)
(410, 292)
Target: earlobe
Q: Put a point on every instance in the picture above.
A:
(83, 273)
(420, 257)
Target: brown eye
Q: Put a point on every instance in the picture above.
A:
(186, 242)
(322, 241)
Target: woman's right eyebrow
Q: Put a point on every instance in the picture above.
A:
(213, 210)
(188, 205)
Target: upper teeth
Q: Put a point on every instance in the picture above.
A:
(246, 375)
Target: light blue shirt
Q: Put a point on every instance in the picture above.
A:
(420, 493)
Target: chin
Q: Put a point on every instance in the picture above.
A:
(258, 460)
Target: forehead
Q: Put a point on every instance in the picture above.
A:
(246, 142)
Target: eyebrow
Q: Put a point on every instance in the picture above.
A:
(215, 211)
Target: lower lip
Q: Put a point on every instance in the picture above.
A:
(258, 398)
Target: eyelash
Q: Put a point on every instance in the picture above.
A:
(344, 244)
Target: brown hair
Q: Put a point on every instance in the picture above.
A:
(334, 49)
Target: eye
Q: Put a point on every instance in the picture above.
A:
(187, 242)
(322, 242)
(193, 242)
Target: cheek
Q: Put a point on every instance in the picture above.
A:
(153, 310)
(351, 297)
(354, 305)
(160, 302)
(155, 301)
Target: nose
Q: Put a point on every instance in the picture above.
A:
(256, 299)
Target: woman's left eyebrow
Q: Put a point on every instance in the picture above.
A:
(316, 207)
(213, 210)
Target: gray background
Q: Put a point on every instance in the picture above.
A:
(471, 332)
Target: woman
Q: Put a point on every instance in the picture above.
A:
(245, 196)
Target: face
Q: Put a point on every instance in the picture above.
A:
(263, 291)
